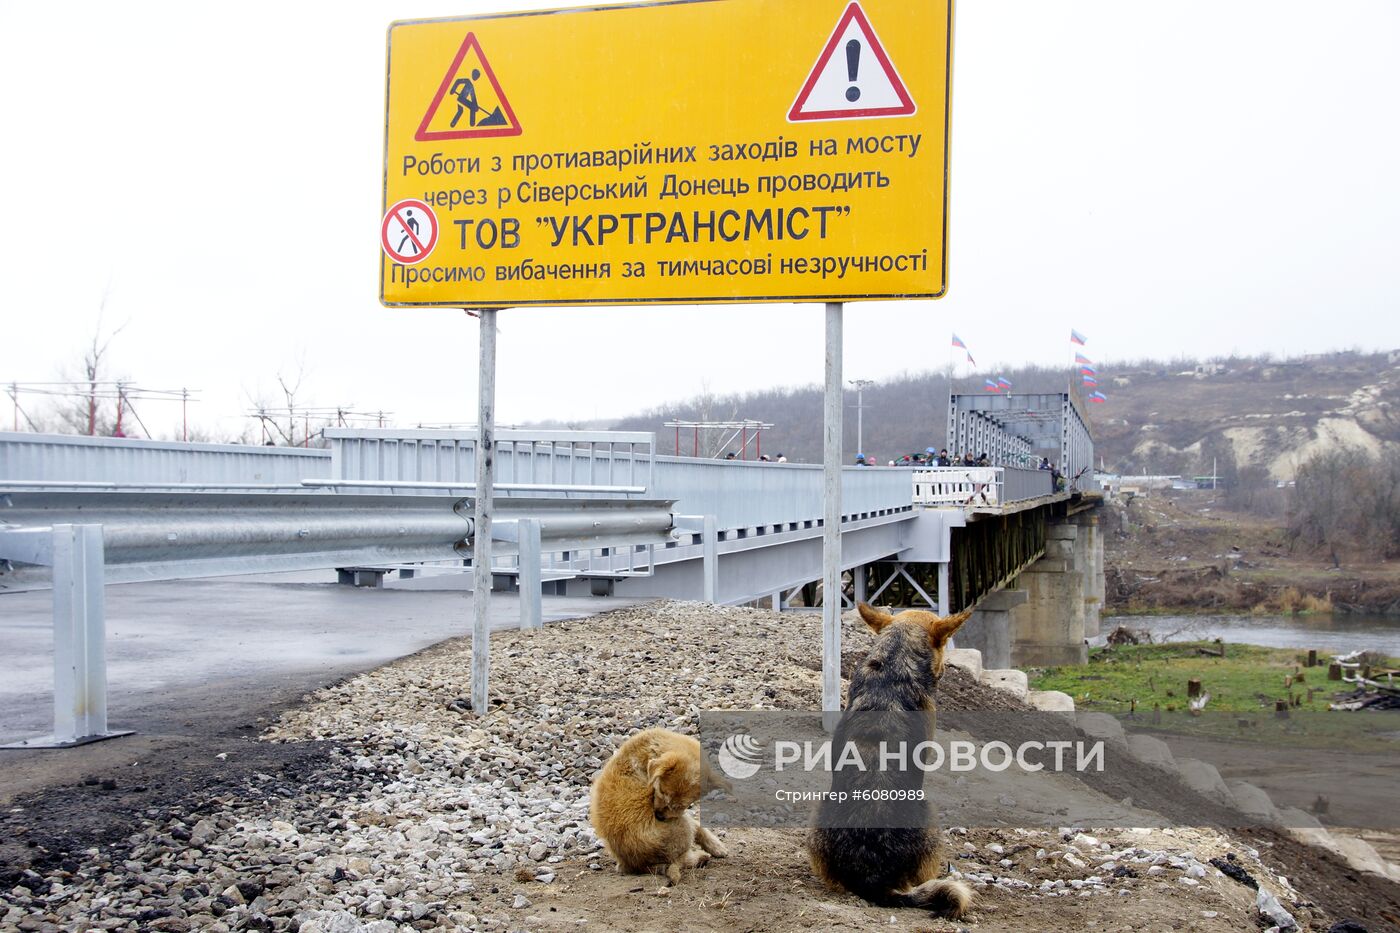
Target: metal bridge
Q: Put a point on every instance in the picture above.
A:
(1022, 429)
(577, 513)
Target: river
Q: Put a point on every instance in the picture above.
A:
(1336, 634)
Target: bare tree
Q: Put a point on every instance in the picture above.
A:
(289, 421)
(89, 415)
(1345, 501)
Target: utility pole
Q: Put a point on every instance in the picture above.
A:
(861, 385)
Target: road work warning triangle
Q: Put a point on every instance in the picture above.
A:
(853, 77)
(469, 103)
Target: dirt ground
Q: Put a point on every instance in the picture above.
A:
(767, 885)
(57, 802)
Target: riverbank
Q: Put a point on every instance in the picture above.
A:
(1329, 633)
(1183, 551)
(1245, 678)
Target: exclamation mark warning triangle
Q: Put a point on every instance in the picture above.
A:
(853, 77)
(469, 103)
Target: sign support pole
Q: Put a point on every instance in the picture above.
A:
(481, 531)
(831, 526)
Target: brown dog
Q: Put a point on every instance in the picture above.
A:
(638, 801)
(891, 865)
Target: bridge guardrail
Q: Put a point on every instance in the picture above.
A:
(178, 535)
(171, 535)
(1021, 483)
(579, 465)
(522, 457)
(47, 457)
(747, 495)
(958, 486)
(955, 486)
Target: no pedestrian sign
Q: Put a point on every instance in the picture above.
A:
(687, 152)
(409, 232)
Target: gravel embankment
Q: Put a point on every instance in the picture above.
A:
(427, 817)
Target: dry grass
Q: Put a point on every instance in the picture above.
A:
(1293, 601)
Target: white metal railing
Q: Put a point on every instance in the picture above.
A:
(955, 486)
(117, 460)
(976, 486)
(616, 462)
(390, 461)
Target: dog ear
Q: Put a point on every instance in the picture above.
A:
(874, 618)
(658, 770)
(943, 629)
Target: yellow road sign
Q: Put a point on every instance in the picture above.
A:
(681, 152)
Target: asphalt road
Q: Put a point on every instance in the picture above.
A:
(179, 646)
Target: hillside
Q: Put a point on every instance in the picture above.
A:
(1161, 417)
(1263, 413)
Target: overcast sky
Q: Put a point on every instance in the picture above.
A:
(1166, 177)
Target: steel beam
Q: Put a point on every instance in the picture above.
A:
(531, 610)
(831, 528)
(481, 538)
(944, 607)
(710, 542)
(708, 527)
(79, 641)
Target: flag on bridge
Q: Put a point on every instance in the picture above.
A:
(991, 386)
(1087, 371)
(1089, 380)
(1098, 397)
(1081, 358)
(958, 342)
(1003, 382)
(1076, 337)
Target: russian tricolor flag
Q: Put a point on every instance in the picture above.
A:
(991, 386)
(1087, 371)
(1098, 397)
(1004, 382)
(957, 342)
(1090, 380)
(970, 360)
(1076, 337)
(1081, 358)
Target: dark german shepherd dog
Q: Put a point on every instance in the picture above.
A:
(890, 853)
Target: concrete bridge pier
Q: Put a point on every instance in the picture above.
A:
(989, 629)
(1091, 544)
(1063, 597)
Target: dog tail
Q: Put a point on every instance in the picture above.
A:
(943, 896)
